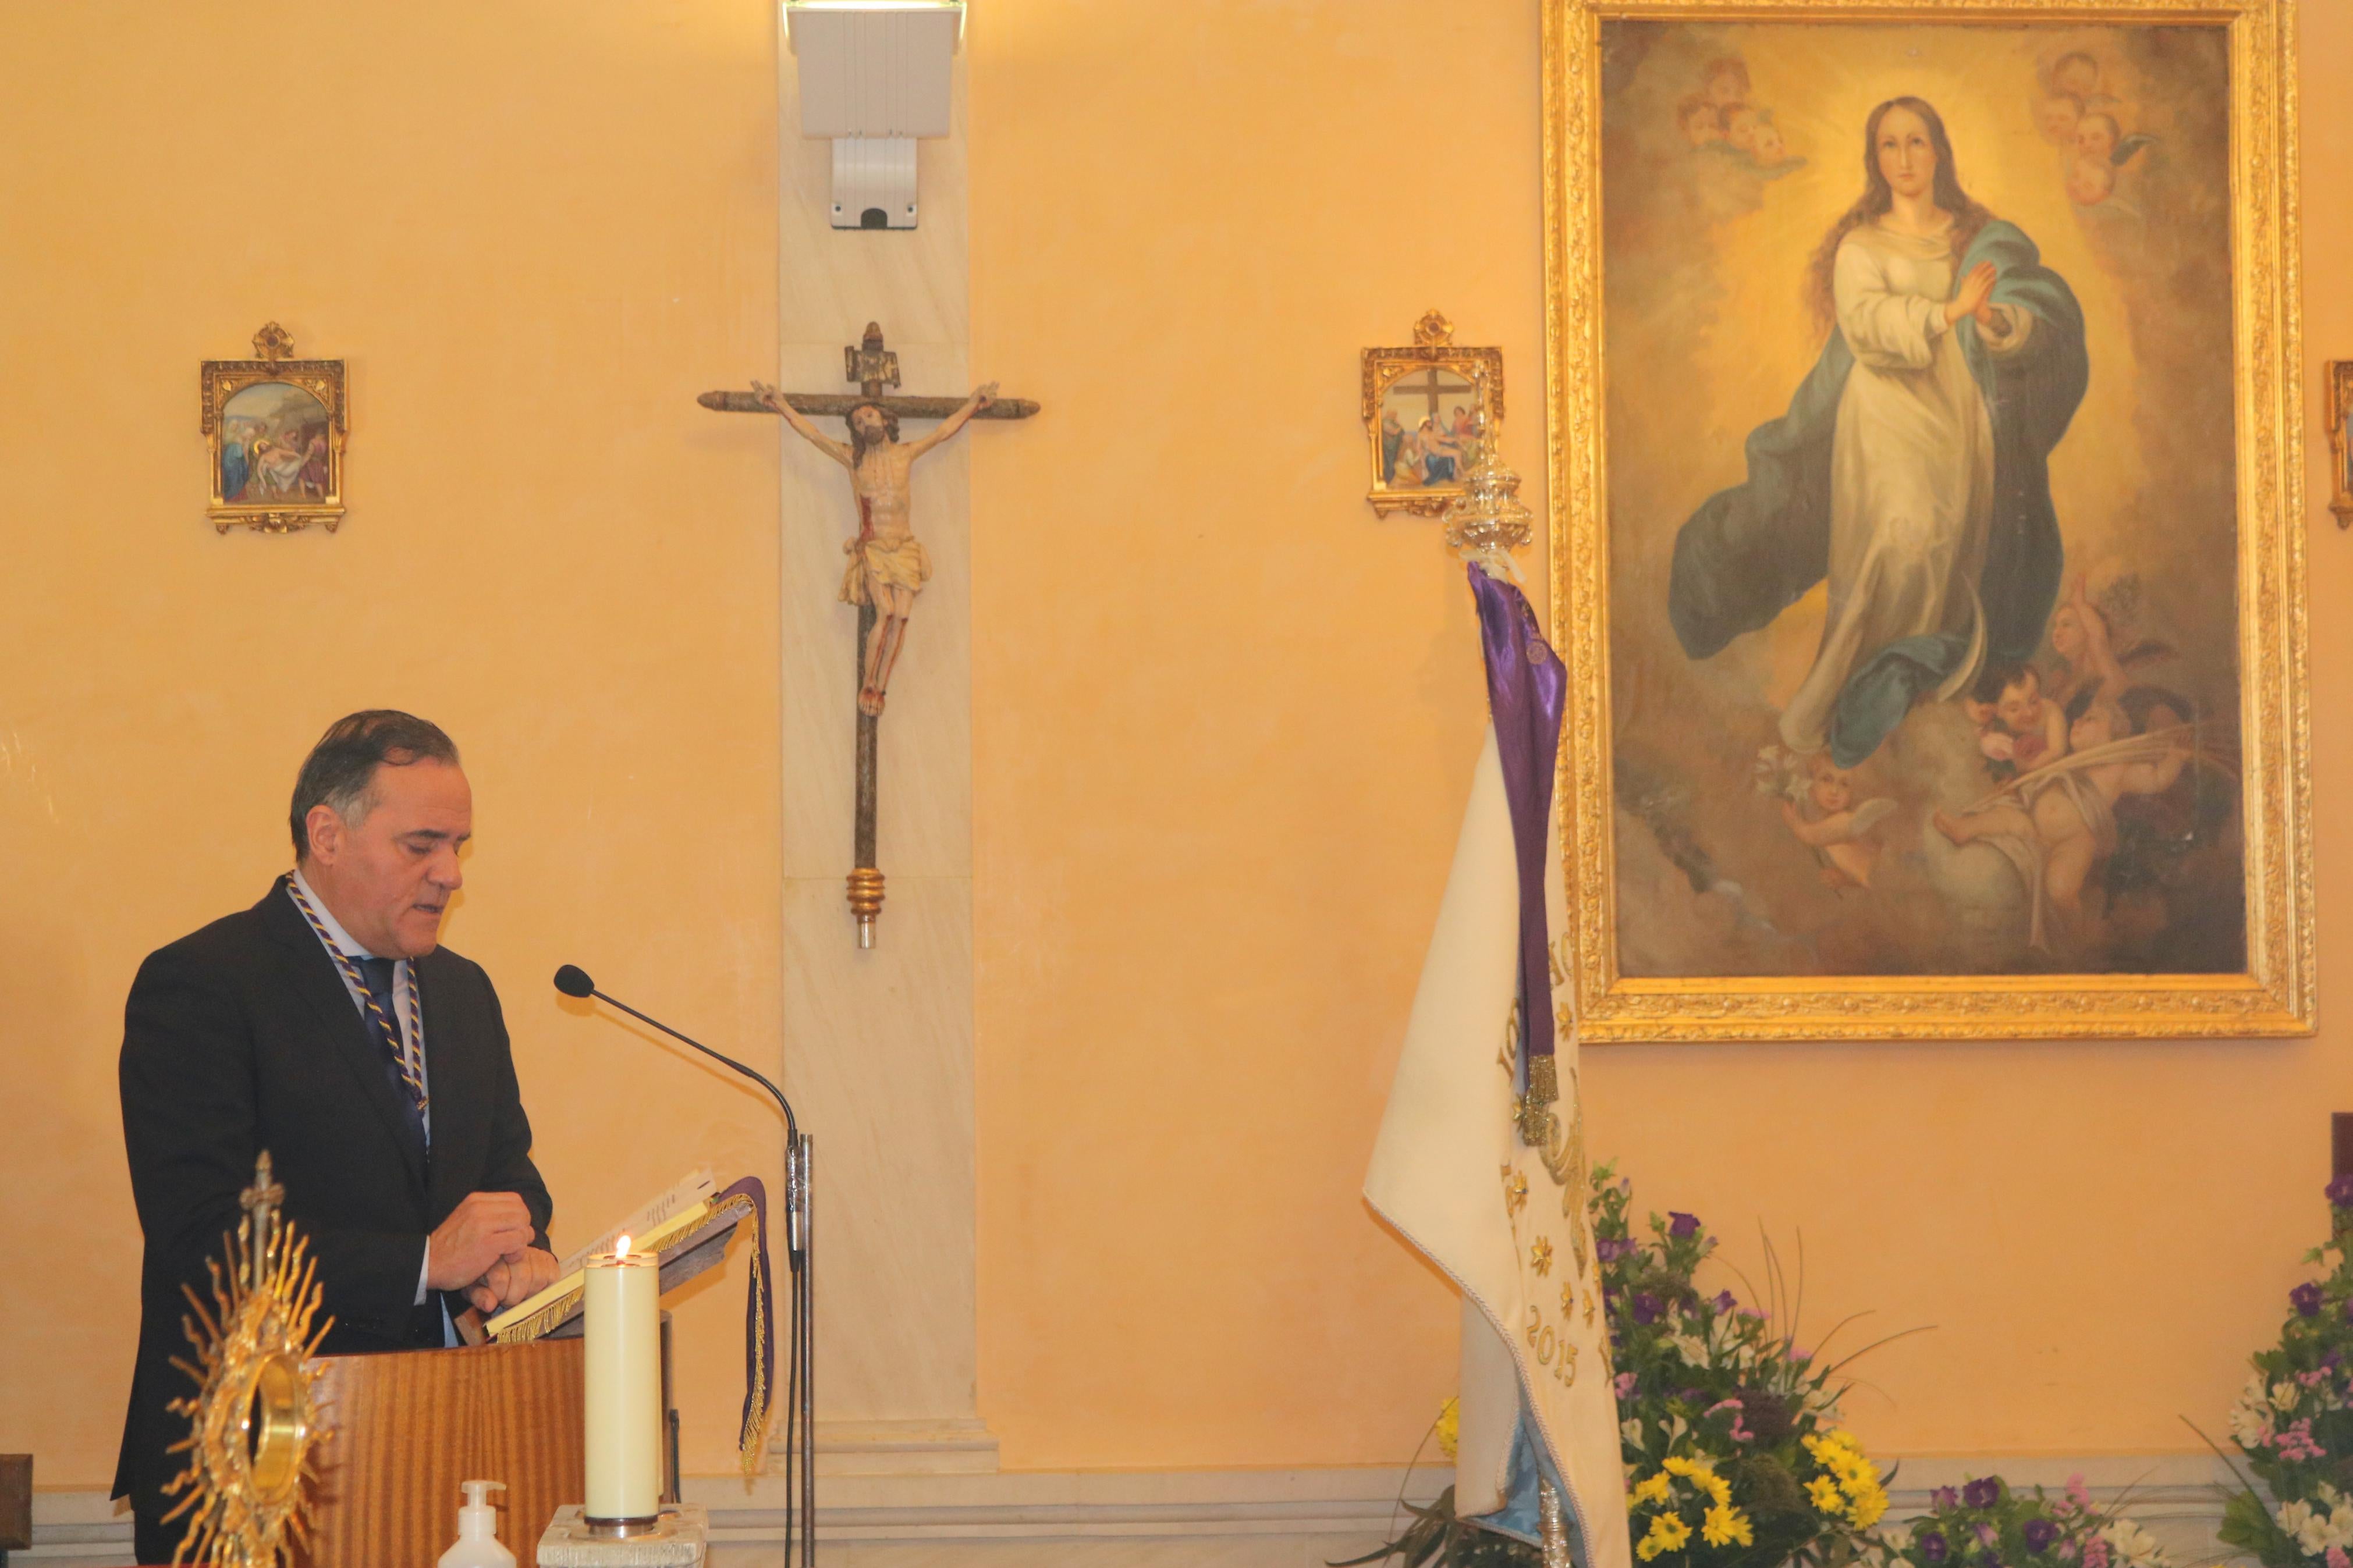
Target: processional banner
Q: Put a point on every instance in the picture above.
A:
(1481, 1162)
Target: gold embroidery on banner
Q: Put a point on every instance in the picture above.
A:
(1515, 1190)
(1569, 1301)
(1540, 1255)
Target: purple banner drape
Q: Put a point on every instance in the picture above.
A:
(1526, 686)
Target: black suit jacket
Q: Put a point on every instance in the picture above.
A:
(241, 1038)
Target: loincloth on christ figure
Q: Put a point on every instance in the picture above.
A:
(893, 564)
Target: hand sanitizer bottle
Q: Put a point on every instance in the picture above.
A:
(478, 1523)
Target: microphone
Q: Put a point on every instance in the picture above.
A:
(573, 980)
(800, 1375)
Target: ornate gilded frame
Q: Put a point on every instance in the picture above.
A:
(2275, 996)
(322, 379)
(2340, 440)
(1433, 350)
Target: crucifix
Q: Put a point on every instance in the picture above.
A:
(888, 565)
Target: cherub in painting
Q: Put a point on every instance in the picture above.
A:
(2058, 823)
(1818, 804)
(1911, 467)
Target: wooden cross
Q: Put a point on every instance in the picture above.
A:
(1427, 384)
(887, 564)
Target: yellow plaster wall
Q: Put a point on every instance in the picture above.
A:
(535, 239)
(1223, 717)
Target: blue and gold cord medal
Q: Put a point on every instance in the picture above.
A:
(410, 1057)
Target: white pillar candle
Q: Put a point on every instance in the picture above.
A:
(624, 1375)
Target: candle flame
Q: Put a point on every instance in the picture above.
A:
(621, 1247)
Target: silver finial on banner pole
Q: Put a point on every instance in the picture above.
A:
(1488, 521)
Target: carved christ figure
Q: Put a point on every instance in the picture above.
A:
(887, 564)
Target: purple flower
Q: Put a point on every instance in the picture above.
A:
(2340, 1192)
(2307, 1298)
(1982, 1493)
(1610, 1249)
(1986, 1535)
(1681, 1224)
(1724, 1302)
(2039, 1534)
(1692, 1396)
(1933, 1546)
(1944, 1500)
(1646, 1307)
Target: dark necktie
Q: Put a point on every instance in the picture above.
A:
(384, 1026)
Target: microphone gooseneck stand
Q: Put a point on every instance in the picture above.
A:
(800, 1356)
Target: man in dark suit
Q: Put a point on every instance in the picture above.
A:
(327, 1025)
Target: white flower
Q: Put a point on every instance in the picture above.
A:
(1632, 1432)
(2284, 1396)
(2293, 1517)
(2134, 1546)
(2251, 1417)
(1688, 1347)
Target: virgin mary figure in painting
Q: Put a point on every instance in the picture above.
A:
(1911, 466)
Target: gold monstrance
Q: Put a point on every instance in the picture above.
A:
(254, 1422)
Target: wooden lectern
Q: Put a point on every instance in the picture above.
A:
(409, 1426)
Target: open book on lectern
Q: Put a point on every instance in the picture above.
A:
(687, 1226)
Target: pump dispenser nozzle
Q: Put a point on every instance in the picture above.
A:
(477, 1523)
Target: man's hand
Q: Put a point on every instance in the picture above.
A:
(515, 1277)
(483, 1229)
(981, 396)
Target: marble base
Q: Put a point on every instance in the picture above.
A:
(681, 1541)
(946, 1447)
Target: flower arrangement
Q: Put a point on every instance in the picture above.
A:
(2292, 1423)
(1728, 1428)
(1987, 1523)
(1734, 1457)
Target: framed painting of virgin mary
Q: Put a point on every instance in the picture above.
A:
(1927, 542)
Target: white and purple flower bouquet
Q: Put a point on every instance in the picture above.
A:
(2292, 1423)
(1987, 1523)
(1730, 1430)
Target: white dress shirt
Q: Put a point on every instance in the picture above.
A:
(341, 941)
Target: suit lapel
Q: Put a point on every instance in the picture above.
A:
(319, 982)
(449, 1061)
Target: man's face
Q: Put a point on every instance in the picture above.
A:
(389, 876)
(867, 423)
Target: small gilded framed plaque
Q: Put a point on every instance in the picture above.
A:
(273, 428)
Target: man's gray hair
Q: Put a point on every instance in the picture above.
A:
(342, 767)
